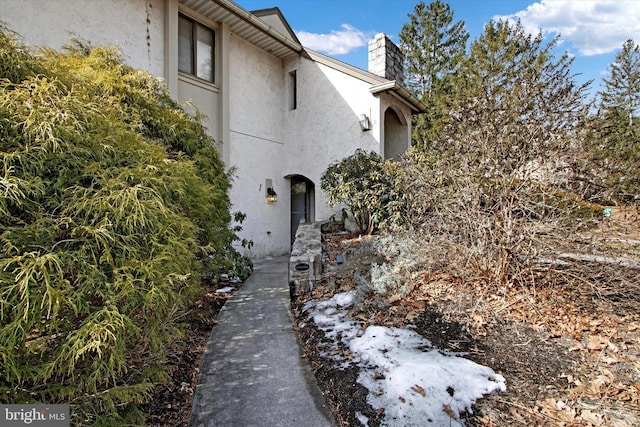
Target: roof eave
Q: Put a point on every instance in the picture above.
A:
(348, 69)
(392, 86)
(380, 84)
(276, 10)
(247, 25)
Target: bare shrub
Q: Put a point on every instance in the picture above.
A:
(488, 185)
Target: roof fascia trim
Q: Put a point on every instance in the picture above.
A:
(392, 86)
(250, 18)
(380, 84)
(276, 10)
(260, 25)
(346, 68)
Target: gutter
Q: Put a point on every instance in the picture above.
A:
(256, 22)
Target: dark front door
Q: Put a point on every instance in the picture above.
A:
(302, 199)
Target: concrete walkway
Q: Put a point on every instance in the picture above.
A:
(252, 373)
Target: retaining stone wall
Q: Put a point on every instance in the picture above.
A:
(305, 262)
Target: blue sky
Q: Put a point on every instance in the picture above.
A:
(592, 31)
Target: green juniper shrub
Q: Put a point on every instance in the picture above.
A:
(111, 199)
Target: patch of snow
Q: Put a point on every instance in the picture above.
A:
(415, 383)
(224, 290)
(362, 418)
(344, 299)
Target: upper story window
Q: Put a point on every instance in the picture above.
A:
(293, 90)
(195, 48)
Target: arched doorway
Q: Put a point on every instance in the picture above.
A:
(396, 134)
(302, 202)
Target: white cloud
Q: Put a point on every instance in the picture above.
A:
(337, 42)
(592, 27)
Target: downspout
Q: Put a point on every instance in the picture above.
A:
(171, 46)
(224, 112)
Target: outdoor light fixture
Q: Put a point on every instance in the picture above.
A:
(365, 124)
(272, 197)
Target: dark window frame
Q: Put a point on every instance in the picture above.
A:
(194, 49)
(293, 90)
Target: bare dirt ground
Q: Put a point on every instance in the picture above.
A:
(569, 348)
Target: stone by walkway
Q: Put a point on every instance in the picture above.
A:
(252, 372)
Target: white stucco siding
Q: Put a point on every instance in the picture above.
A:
(276, 23)
(267, 224)
(257, 102)
(256, 91)
(398, 139)
(193, 94)
(325, 127)
(135, 26)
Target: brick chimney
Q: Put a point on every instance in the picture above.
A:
(385, 59)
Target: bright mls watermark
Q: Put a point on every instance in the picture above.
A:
(34, 415)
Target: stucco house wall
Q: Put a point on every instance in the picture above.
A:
(247, 108)
(137, 27)
(325, 128)
(257, 145)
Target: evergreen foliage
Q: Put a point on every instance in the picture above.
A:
(516, 102)
(365, 184)
(516, 109)
(113, 204)
(492, 172)
(622, 88)
(609, 170)
(434, 47)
